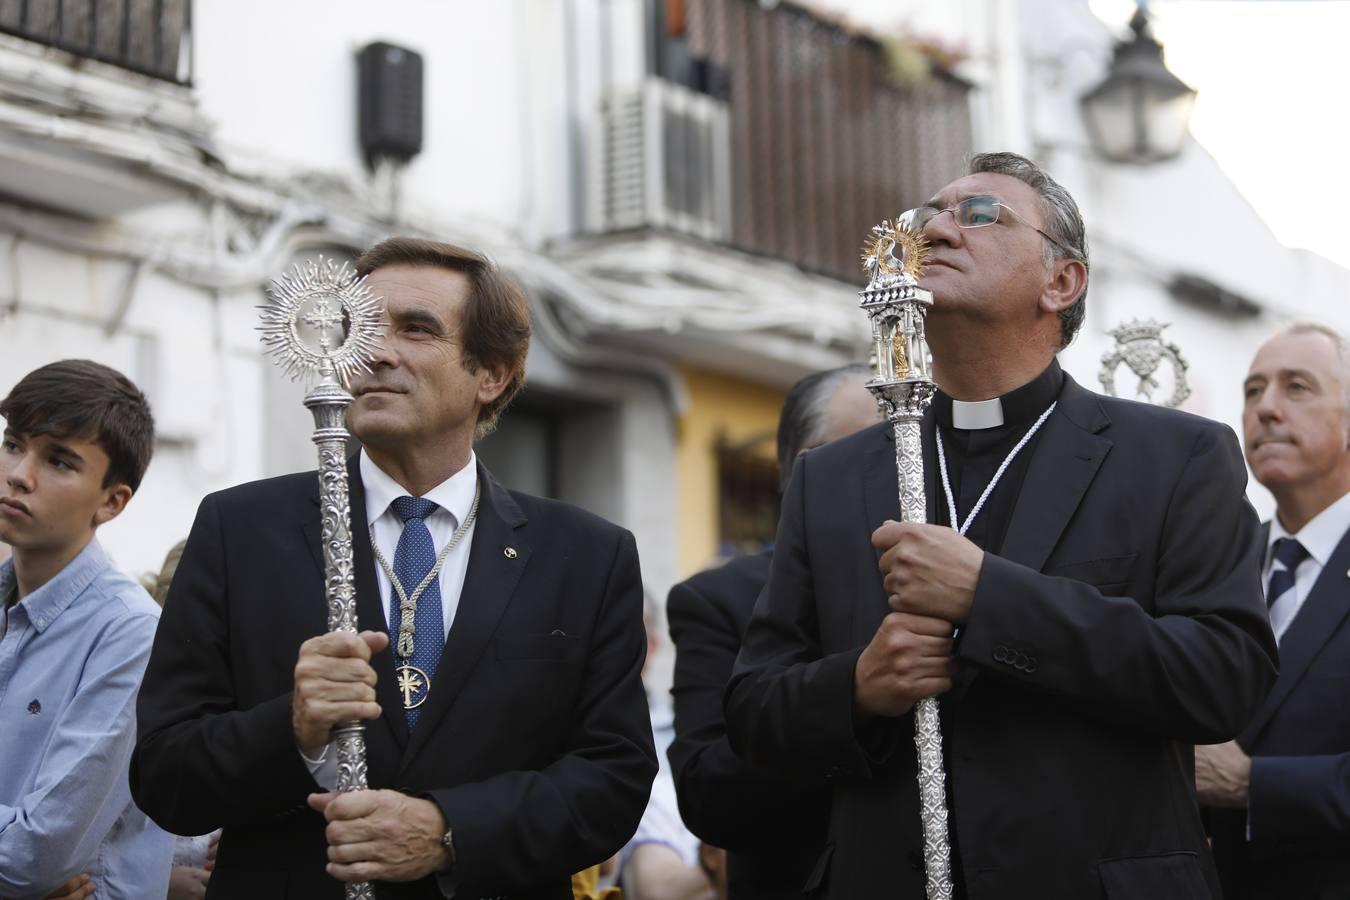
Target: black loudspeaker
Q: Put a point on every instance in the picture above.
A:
(390, 102)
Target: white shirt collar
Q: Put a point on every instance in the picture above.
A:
(1320, 536)
(454, 495)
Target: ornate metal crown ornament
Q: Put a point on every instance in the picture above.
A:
(1140, 346)
(329, 299)
(893, 256)
(878, 253)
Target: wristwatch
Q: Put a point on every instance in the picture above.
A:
(448, 842)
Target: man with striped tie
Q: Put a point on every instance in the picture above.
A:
(1279, 795)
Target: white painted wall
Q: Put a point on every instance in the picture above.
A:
(508, 88)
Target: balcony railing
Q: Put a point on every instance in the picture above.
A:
(152, 37)
(785, 136)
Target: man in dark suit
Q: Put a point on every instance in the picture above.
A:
(1280, 794)
(527, 758)
(1103, 588)
(772, 827)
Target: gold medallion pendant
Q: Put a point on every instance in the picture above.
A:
(414, 685)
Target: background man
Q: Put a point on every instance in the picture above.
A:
(74, 640)
(772, 827)
(1281, 792)
(1103, 579)
(530, 756)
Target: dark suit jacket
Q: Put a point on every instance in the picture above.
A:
(535, 744)
(1122, 622)
(772, 827)
(1299, 742)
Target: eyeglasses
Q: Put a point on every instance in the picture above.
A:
(974, 212)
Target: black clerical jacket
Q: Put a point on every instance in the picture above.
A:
(1122, 622)
(535, 740)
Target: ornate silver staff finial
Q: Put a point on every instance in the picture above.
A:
(903, 386)
(330, 300)
(1140, 346)
(343, 322)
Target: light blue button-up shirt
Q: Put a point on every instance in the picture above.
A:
(71, 661)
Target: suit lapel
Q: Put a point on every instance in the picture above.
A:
(488, 585)
(369, 609)
(1065, 461)
(1317, 620)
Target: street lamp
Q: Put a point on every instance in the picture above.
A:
(1139, 113)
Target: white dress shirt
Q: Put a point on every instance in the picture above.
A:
(1319, 537)
(454, 497)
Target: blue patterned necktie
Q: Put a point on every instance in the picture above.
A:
(1289, 553)
(414, 558)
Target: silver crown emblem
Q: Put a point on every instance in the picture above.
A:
(1139, 344)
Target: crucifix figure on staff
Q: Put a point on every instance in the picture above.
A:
(1080, 595)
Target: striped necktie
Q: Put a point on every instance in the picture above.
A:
(1289, 553)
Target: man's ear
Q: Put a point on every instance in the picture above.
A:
(1068, 280)
(492, 380)
(115, 499)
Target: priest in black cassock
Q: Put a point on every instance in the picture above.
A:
(1087, 602)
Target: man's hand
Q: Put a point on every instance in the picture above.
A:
(76, 888)
(382, 835)
(333, 683)
(1223, 775)
(187, 883)
(908, 659)
(928, 570)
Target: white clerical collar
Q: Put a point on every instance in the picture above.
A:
(980, 414)
(454, 495)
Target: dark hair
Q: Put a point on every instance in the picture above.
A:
(495, 322)
(79, 398)
(803, 412)
(1062, 220)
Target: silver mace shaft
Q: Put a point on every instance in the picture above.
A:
(322, 321)
(328, 402)
(896, 307)
(927, 724)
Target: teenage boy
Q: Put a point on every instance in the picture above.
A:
(75, 635)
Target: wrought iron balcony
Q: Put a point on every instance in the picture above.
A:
(152, 37)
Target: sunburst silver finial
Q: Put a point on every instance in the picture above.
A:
(332, 303)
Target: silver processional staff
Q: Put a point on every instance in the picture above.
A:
(903, 385)
(322, 322)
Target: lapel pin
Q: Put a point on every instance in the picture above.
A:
(510, 553)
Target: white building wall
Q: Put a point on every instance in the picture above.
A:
(278, 84)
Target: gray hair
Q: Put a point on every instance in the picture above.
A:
(1338, 340)
(1062, 218)
(803, 416)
